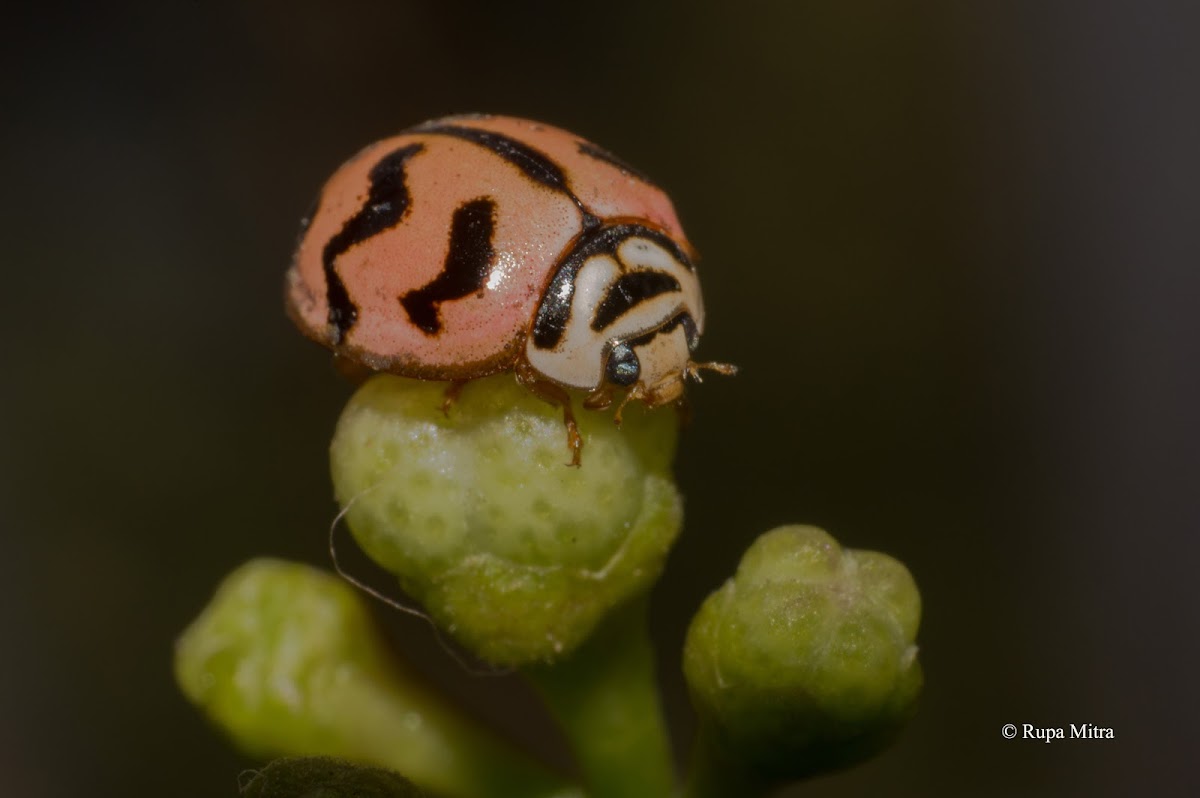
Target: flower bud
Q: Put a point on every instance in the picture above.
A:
(286, 661)
(475, 510)
(804, 661)
(324, 777)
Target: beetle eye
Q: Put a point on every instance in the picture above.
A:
(623, 366)
(689, 330)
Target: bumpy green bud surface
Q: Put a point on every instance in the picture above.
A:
(285, 660)
(804, 661)
(477, 513)
(322, 777)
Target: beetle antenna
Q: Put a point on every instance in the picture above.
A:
(693, 369)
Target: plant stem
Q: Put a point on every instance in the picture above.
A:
(712, 775)
(419, 735)
(605, 697)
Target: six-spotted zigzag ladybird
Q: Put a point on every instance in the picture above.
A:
(472, 245)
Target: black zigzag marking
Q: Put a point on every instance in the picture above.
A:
(468, 263)
(387, 201)
(533, 163)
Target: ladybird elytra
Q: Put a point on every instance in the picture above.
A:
(471, 245)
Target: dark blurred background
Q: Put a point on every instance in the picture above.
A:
(954, 247)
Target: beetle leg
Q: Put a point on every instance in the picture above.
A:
(599, 399)
(556, 395)
(683, 408)
(453, 391)
(351, 369)
(635, 392)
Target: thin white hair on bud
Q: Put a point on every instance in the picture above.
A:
(396, 604)
(245, 777)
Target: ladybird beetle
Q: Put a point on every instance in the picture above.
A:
(471, 245)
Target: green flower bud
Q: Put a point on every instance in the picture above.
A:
(475, 510)
(804, 661)
(285, 660)
(322, 777)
